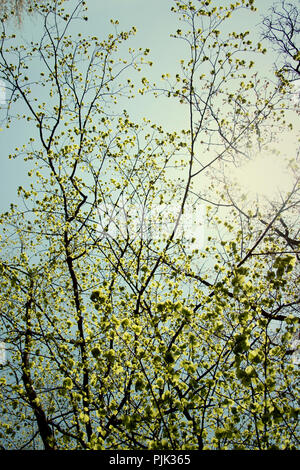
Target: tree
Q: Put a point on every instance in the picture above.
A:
(10, 8)
(282, 28)
(121, 331)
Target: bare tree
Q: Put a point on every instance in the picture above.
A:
(282, 29)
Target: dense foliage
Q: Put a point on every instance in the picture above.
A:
(121, 331)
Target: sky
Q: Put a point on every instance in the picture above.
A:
(154, 33)
(264, 175)
(154, 24)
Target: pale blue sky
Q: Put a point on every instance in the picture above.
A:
(154, 23)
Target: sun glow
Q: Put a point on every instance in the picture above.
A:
(265, 176)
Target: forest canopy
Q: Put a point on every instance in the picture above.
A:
(148, 300)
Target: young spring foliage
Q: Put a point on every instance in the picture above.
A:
(119, 335)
